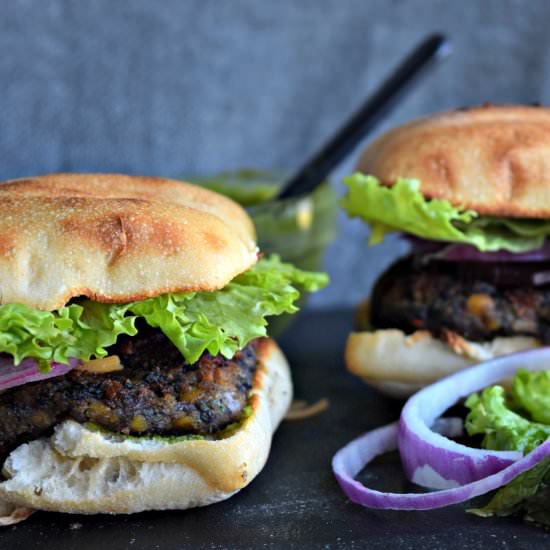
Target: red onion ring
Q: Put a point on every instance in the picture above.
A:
(456, 252)
(468, 253)
(351, 459)
(434, 461)
(12, 375)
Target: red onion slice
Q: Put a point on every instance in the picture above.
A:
(27, 371)
(455, 252)
(352, 458)
(468, 253)
(433, 461)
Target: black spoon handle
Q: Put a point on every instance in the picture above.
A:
(316, 169)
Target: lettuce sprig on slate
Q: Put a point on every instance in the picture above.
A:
(521, 422)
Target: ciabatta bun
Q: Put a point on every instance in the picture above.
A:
(493, 159)
(82, 471)
(116, 238)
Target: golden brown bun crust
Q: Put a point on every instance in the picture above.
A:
(81, 471)
(116, 238)
(148, 188)
(493, 159)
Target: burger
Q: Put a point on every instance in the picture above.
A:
(135, 370)
(469, 190)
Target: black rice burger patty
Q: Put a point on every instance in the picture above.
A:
(459, 297)
(157, 392)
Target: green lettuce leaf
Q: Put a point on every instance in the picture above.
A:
(503, 429)
(402, 208)
(528, 492)
(520, 422)
(77, 330)
(531, 392)
(226, 320)
(221, 322)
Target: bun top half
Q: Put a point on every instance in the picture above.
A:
(493, 159)
(115, 238)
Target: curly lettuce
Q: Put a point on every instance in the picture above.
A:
(528, 493)
(220, 322)
(403, 208)
(531, 391)
(226, 320)
(492, 415)
(517, 422)
(81, 330)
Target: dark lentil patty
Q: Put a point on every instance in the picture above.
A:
(155, 393)
(470, 299)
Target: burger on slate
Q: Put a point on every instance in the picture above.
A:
(470, 191)
(135, 371)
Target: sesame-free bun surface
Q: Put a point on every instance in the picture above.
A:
(81, 471)
(493, 159)
(116, 238)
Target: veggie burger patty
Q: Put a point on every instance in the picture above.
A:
(476, 301)
(155, 393)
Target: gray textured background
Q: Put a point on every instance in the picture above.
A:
(193, 87)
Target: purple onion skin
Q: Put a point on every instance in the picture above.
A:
(449, 464)
(468, 253)
(28, 371)
(475, 471)
(421, 447)
(502, 269)
(427, 501)
(456, 252)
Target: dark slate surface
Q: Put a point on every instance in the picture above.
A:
(198, 86)
(295, 502)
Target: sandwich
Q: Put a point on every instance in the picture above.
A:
(135, 368)
(469, 190)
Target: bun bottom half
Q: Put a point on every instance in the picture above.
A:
(398, 364)
(78, 470)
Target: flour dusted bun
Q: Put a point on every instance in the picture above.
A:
(83, 471)
(493, 159)
(116, 238)
(148, 188)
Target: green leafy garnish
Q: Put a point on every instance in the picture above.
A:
(220, 322)
(403, 208)
(517, 422)
(77, 330)
(226, 320)
(529, 492)
(503, 429)
(531, 392)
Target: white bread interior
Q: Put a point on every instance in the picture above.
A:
(82, 471)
